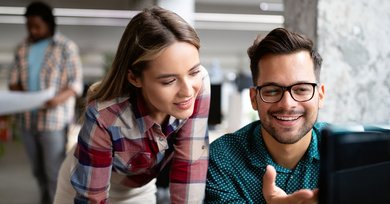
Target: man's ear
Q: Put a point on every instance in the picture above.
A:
(134, 80)
(321, 95)
(253, 95)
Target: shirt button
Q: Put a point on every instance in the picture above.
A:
(203, 147)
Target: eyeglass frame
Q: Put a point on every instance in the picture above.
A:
(284, 89)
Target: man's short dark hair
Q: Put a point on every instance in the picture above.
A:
(44, 11)
(281, 41)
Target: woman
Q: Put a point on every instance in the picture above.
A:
(151, 108)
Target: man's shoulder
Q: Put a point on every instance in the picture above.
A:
(239, 137)
(317, 129)
(63, 41)
(22, 45)
(319, 126)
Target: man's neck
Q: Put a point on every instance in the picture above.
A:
(33, 40)
(287, 155)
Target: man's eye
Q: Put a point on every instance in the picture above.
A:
(302, 90)
(271, 92)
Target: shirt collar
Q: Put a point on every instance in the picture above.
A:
(313, 150)
(55, 39)
(145, 122)
(259, 155)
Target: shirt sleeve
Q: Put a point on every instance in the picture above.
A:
(190, 161)
(220, 185)
(91, 175)
(14, 74)
(74, 68)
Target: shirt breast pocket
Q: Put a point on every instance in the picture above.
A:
(137, 162)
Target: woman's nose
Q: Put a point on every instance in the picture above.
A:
(185, 88)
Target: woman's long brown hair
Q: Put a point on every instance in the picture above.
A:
(146, 35)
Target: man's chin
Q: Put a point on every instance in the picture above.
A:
(286, 135)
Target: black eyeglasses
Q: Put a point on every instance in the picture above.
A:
(300, 92)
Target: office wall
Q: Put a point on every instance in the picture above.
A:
(352, 37)
(223, 38)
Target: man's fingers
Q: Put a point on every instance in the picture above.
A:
(304, 196)
(271, 192)
(269, 180)
(315, 191)
(275, 195)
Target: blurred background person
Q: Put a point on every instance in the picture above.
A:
(46, 59)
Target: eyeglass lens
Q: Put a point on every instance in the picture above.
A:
(299, 92)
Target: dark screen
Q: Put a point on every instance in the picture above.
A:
(355, 167)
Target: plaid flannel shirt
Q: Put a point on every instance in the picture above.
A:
(119, 136)
(61, 68)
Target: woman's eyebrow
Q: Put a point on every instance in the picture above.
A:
(162, 76)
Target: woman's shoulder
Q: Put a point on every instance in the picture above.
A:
(111, 112)
(206, 89)
(112, 106)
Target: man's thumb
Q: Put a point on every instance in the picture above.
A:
(269, 180)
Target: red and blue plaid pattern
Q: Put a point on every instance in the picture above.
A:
(119, 135)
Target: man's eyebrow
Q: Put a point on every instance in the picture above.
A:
(276, 84)
(270, 83)
(162, 76)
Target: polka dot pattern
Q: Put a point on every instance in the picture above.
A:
(237, 165)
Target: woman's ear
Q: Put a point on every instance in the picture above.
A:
(134, 80)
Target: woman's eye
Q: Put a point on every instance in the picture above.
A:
(194, 73)
(168, 82)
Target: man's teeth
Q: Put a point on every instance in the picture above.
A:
(287, 118)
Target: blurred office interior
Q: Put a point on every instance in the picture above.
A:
(350, 35)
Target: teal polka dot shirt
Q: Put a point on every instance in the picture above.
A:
(237, 164)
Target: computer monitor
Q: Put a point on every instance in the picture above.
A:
(355, 166)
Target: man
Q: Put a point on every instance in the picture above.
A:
(287, 96)
(46, 60)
